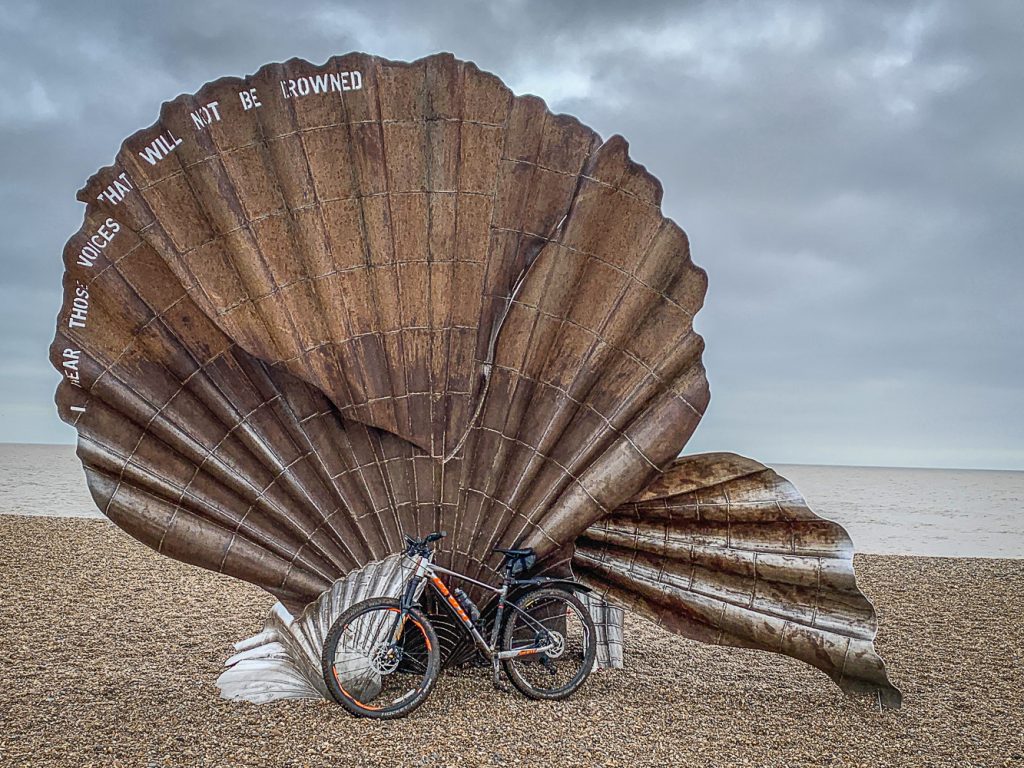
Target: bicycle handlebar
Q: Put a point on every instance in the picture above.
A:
(414, 545)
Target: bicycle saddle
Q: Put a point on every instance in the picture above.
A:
(513, 553)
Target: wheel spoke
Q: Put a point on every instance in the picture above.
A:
(556, 621)
(370, 672)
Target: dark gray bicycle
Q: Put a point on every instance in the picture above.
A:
(381, 657)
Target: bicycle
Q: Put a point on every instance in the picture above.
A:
(381, 657)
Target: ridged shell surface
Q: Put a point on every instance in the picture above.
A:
(322, 306)
(315, 308)
(724, 550)
(283, 661)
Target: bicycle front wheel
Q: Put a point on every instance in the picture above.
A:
(378, 662)
(554, 620)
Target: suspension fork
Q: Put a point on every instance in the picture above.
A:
(411, 595)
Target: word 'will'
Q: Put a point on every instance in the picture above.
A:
(160, 147)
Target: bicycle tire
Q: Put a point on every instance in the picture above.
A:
(363, 612)
(515, 669)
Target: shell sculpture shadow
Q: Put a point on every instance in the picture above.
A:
(318, 307)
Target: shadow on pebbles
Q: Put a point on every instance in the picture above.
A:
(109, 654)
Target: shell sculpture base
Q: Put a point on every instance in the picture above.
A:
(322, 306)
(283, 661)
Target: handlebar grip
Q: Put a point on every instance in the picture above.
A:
(435, 536)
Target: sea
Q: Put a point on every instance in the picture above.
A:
(887, 510)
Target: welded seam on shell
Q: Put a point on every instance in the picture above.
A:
(269, 404)
(817, 591)
(268, 545)
(489, 363)
(299, 528)
(317, 203)
(407, 361)
(750, 604)
(376, 67)
(113, 264)
(846, 656)
(630, 275)
(108, 372)
(428, 107)
(239, 529)
(602, 568)
(482, 375)
(286, 212)
(325, 477)
(360, 469)
(355, 176)
(204, 211)
(603, 536)
(623, 350)
(597, 413)
(598, 338)
(393, 263)
(209, 453)
(283, 470)
(457, 178)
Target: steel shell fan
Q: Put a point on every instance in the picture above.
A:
(315, 308)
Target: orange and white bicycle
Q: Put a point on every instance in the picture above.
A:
(381, 657)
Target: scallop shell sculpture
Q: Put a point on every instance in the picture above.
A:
(318, 307)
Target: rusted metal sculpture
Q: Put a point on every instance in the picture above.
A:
(314, 308)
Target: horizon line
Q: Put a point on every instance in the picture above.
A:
(766, 463)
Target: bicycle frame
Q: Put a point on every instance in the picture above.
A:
(427, 572)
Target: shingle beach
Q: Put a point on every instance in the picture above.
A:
(109, 655)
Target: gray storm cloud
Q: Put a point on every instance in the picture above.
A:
(850, 175)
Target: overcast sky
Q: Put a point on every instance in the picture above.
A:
(851, 176)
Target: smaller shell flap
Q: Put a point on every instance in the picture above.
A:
(723, 550)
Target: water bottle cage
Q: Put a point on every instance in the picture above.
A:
(468, 605)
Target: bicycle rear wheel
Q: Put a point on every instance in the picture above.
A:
(377, 664)
(554, 617)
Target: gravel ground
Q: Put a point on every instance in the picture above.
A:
(109, 654)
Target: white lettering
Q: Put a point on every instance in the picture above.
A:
(160, 148)
(205, 116)
(79, 307)
(250, 100)
(319, 83)
(104, 236)
(71, 359)
(115, 193)
(331, 82)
